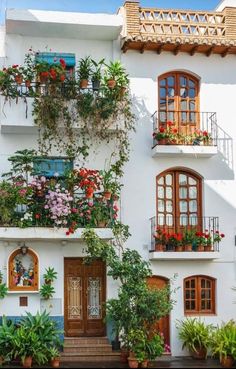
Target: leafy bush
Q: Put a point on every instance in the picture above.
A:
(224, 340)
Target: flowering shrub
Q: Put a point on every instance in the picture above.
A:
(58, 204)
(170, 133)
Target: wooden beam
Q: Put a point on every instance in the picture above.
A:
(209, 51)
(125, 47)
(159, 49)
(145, 46)
(194, 50)
(177, 50)
(225, 52)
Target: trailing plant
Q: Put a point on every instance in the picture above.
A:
(195, 334)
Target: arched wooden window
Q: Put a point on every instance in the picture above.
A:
(23, 271)
(179, 200)
(199, 295)
(179, 101)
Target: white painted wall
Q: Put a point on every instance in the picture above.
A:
(217, 94)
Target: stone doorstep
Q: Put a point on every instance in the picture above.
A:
(90, 356)
(86, 347)
(86, 341)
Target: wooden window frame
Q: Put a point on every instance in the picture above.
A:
(198, 299)
(177, 98)
(11, 285)
(175, 172)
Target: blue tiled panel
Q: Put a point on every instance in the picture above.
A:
(48, 167)
(54, 58)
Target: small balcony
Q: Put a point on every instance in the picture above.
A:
(184, 238)
(189, 134)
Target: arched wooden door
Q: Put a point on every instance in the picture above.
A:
(179, 101)
(163, 325)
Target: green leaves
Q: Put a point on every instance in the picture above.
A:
(47, 291)
(224, 340)
(3, 290)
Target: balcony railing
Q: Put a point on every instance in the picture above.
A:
(186, 124)
(182, 224)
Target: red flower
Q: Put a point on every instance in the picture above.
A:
(68, 233)
(37, 216)
(44, 74)
(205, 133)
(162, 129)
(169, 123)
(15, 66)
(175, 130)
(62, 78)
(63, 63)
(222, 235)
(53, 73)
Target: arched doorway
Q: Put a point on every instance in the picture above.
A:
(163, 325)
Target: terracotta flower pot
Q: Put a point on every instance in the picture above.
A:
(28, 83)
(162, 141)
(83, 83)
(179, 248)
(111, 83)
(55, 363)
(102, 224)
(208, 248)
(18, 79)
(1, 360)
(144, 364)
(27, 363)
(133, 363)
(107, 195)
(159, 247)
(227, 361)
(199, 354)
(43, 78)
(200, 248)
(188, 247)
(124, 354)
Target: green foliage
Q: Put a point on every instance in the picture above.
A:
(224, 340)
(144, 347)
(27, 343)
(85, 68)
(3, 290)
(194, 334)
(53, 353)
(21, 163)
(50, 275)
(47, 291)
(44, 327)
(7, 332)
(97, 69)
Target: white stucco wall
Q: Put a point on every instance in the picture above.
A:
(217, 94)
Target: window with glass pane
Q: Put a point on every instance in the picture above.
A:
(199, 295)
(179, 99)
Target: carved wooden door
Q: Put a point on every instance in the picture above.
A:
(85, 294)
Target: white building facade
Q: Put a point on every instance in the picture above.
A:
(186, 78)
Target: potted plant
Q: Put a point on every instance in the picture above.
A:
(100, 214)
(216, 237)
(54, 356)
(196, 337)
(50, 275)
(154, 348)
(136, 339)
(3, 290)
(7, 333)
(174, 242)
(160, 239)
(46, 291)
(224, 343)
(201, 241)
(113, 73)
(97, 73)
(84, 71)
(188, 239)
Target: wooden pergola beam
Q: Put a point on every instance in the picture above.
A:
(209, 51)
(177, 50)
(225, 52)
(194, 50)
(159, 49)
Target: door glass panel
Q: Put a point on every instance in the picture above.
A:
(162, 106)
(170, 81)
(193, 219)
(192, 117)
(161, 219)
(183, 193)
(192, 94)
(169, 207)
(193, 192)
(193, 206)
(182, 179)
(184, 117)
(191, 83)
(161, 193)
(162, 92)
(183, 220)
(183, 206)
(162, 116)
(171, 105)
(183, 81)
(183, 92)
(170, 116)
(183, 105)
(94, 298)
(163, 82)
(169, 220)
(192, 105)
(171, 92)
(169, 179)
(161, 206)
(192, 181)
(161, 181)
(169, 192)
(74, 298)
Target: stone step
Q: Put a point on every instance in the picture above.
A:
(86, 340)
(90, 356)
(86, 347)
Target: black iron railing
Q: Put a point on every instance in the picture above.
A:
(179, 225)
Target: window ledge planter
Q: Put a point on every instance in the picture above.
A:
(184, 150)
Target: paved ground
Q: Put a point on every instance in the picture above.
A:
(165, 362)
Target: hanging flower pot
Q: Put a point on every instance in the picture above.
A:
(107, 195)
(83, 83)
(19, 79)
(111, 83)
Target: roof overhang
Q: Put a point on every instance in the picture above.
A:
(41, 23)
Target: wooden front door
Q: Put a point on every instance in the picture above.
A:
(163, 325)
(85, 294)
